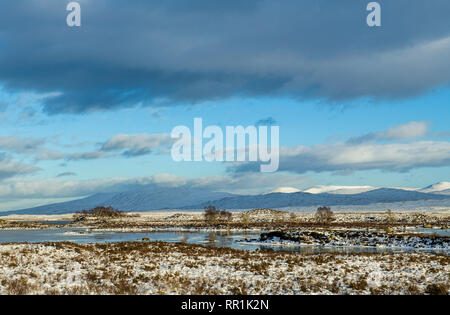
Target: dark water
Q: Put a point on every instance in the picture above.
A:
(83, 236)
(235, 240)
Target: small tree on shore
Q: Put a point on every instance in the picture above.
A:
(102, 212)
(324, 215)
(245, 219)
(224, 214)
(390, 216)
(212, 215)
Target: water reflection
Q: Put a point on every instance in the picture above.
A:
(184, 238)
(235, 240)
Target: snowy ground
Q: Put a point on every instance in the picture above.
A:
(167, 268)
(162, 268)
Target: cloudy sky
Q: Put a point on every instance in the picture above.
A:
(90, 109)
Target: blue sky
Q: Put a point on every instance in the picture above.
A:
(68, 94)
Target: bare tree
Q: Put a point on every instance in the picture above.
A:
(324, 215)
(212, 215)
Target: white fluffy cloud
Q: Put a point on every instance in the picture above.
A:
(390, 150)
(26, 188)
(9, 168)
(57, 188)
(20, 145)
(408, 131)
(365, 156)
(412, 130)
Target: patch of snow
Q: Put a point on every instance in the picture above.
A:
(284, 190)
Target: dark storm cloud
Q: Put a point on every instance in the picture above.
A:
(137, 52)
(137, 145)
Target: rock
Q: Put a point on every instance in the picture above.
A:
(271, 235)
(79, 219)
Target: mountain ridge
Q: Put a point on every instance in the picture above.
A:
(301, 199)
(185, 198)
(129, 201)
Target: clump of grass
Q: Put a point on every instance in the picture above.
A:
(360, 284)
(420, 218)
(123, 287)
(17, 286)
(436, 289)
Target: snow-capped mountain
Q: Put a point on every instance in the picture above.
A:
(303, 199)
(197, 198)
(442, 188)
(439, 188)
(343, 190)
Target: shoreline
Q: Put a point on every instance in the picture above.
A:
(405, 231)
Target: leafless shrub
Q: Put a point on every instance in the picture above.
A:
(245, 219)
(324, 215)
(212, 215)
(226, 214)
(102, 212)
(390, 216)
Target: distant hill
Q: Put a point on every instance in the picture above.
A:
(65, 207)
(136, 201)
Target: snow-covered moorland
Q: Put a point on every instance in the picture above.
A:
(163, 268)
